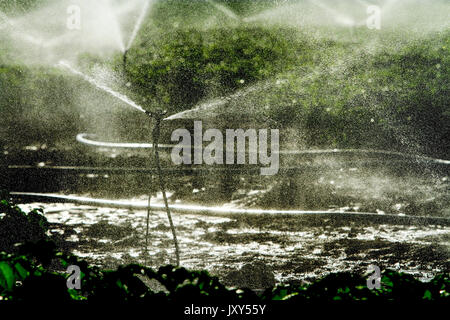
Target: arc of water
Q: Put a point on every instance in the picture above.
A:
(339, 17)
(8, 23)
(389, 5)
(227, 11)
(224, 210)
(92, 81)
(15, 30)
(212, 106)
(106, 4)
(83, 138)
(138, 24)
(57, 40)
(266, 13)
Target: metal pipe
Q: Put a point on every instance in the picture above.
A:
(223, 211)
(158, 116)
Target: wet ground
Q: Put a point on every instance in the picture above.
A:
(293, 248)
(258, 250)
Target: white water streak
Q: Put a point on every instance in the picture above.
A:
(116, 26)
(224, 210)
(227, 11)
(339, 17)
(92, 81)
(8, 23)
(211, 108)
(139, 22)
(84, 138)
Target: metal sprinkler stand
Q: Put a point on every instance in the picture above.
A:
(158, 116)
(125, 59)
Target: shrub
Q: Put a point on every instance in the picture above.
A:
(17, 226)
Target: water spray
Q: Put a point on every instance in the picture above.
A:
(157, 116)
(225, 10)
(225, 211)
(138, 25)
(136, 29)
(7, 23)
(95, 83)
(4, 21)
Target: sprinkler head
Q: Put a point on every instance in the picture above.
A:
(162, 112)
(157, 114)
(125, 58)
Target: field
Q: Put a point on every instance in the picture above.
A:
(363, 116)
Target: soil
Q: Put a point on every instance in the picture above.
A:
(256, 250)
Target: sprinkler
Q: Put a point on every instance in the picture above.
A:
(125, 59)
(158, 116)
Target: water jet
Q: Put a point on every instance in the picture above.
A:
(138, 25)
(225, 10)
(98, 85)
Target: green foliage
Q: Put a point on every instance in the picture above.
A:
(14, 6)
(181, 67)
(26, 277)
(347, 287)
(22, 278)
(404, 287)
(36, 105)
(17, 226)
(415, 82)
(394, 98)
(338, 94)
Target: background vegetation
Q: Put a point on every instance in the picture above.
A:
(336, 93)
